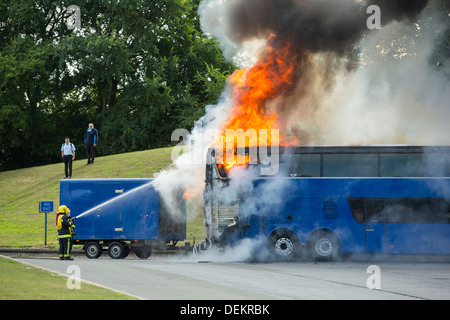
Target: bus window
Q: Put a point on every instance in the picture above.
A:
(350, 165)
(374, 210)
(425, 210)
(437, 162)
(400, 210)
(301, 165)
(402, 165)
(443, 210)
(357, 208)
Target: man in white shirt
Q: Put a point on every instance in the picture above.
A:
(68, 155)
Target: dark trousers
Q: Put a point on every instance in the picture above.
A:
(68, 165)
(90, 153)
(65, 246)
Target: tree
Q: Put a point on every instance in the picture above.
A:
(138, 69)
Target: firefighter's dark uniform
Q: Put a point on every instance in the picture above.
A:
(65, 230)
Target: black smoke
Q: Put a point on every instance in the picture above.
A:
(399, 9)
(314, 25)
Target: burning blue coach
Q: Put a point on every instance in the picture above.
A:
(324, 201)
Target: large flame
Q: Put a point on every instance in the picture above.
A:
(253, 88)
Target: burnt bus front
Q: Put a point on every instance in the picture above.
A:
(223, 199)
(220, 212)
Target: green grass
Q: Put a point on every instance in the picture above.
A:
(22, 225)
(21, 282)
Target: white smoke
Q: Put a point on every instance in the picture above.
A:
(213, 22)
(189, 158)
(395, 97)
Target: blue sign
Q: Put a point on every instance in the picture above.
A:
(45, 206)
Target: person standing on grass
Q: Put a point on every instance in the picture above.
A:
(68, 155)
(91, 140)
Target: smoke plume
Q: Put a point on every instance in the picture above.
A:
(352, 85)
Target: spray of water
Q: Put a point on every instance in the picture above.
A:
(135, 192)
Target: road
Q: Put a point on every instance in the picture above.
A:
(183, 277)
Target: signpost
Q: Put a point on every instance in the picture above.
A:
(45, 207)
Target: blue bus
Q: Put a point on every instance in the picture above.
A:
(324, 201)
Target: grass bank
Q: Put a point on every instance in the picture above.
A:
(22, 225)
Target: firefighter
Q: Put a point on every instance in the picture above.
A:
(65, 232)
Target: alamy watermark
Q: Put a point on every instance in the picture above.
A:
(74, 20)
(374, 280)
(74, 280)
(374, 21)
(237, 146)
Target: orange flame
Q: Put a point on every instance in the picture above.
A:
(252, 89)
(189, 195)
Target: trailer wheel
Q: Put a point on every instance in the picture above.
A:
(143, 252)
(126, 251)
(93, 250)
(116, 250)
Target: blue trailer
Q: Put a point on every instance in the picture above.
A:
(120, 215)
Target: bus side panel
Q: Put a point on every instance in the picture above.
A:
(383, 235)
(418, 238)
(307, 204)
(350, 232)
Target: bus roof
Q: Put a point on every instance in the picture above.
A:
(354, 149)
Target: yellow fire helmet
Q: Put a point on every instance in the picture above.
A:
(63, 209)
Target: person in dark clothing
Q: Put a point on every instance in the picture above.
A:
(65, 226)
(90, 141)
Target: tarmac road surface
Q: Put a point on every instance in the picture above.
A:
(185, 278)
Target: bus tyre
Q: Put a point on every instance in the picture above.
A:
(117, 250)
(93, 250)
(283, 245)
(324, 247)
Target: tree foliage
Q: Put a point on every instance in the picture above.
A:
(138, 69)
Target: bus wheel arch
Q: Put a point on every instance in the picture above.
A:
(323, 245)
(283, 243)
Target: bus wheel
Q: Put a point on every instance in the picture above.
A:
(116, 250)
(283, 244)
(93, 250)
(324, 246)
